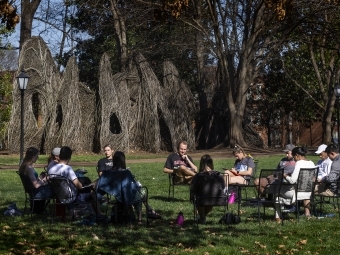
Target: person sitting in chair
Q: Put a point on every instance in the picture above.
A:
(53, 159)
(243, 167)
(334, 174)
(287, 164)
(200, 186)
(106, 163)
(63, 169)
(287, 191)
(180, 164)
(324, 165)
(42, 189)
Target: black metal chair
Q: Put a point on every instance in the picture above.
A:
(270, 181)
(304, 184)
(240, 187)
(30, 192)
(123, 193)
(321, 200)
(173, 183)
(208, 189)
(66, 195)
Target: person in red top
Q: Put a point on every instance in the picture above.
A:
(180, 164)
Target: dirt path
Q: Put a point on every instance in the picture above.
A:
(196, 155)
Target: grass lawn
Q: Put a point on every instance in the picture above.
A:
(23, 235)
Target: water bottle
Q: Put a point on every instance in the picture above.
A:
(180, 219)
(231, 199)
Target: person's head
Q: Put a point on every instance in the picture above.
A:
(238, 152)
(54, 154)
(118, 160)
(182, 148)
(299, 153)
(206, 161)
(332, 151)
(108, 150)
(31, 157)
(288, 150)
(65, 153)
(321, 151)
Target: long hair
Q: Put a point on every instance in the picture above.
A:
(118, 160)
(206, 161)
(31, 152)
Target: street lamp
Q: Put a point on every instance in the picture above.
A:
(337, 94)
(22, 80)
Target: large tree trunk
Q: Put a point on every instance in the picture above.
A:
(28, 9)
(120, 35)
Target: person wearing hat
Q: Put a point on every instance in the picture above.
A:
(331, 180)
(324, 163)
(287, 164)
(53, 159)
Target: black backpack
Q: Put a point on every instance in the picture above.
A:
(230, 219)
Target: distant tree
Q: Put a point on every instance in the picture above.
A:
(8, 14)
(28, 9)
(5, 104)
(9, 60)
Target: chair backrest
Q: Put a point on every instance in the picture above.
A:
(271, 180)
(208, 188)
(28, 185)
(63, 188)
(306, 179)
(118, 183)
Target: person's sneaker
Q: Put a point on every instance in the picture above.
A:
(289, 209)
(328, 193)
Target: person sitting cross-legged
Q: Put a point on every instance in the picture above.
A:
(243, 167)
(180, 164)
(287, 164)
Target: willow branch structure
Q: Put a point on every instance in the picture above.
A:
(136, 112)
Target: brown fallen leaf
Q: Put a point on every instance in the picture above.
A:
(303, 242)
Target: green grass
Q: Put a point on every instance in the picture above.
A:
(23, 235)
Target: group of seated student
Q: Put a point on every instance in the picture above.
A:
(184, 170)
(328, 175)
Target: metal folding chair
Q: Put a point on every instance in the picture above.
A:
(208, 189)
(30, 192)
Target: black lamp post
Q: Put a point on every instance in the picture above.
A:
(22, 80)
(337, 94)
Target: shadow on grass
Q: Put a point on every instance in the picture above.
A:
(166, 199)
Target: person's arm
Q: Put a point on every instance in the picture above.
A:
(334, 173)
(77, 183)
(246, 173)
(191, 164)
(168, 166)
(36, 182)
(100, 167)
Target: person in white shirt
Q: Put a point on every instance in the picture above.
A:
(324, 163)
(287, 191)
